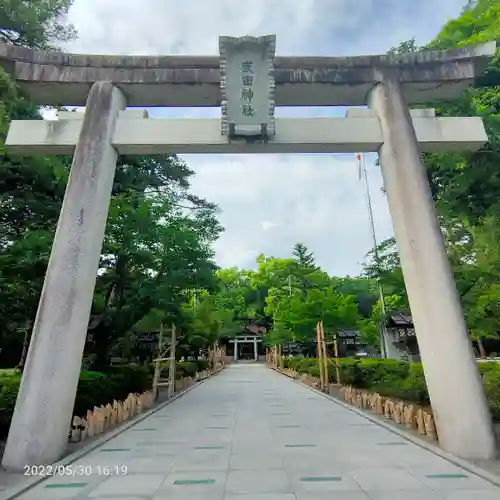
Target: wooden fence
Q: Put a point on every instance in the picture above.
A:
(409, 415)
(103, 418)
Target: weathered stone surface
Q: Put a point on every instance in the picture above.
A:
(303, 135)
(60, 78)
(459, 405)
(39, 430)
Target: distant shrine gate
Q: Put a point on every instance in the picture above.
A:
(247, 82)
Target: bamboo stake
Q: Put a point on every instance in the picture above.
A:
(171, 367)
(319, 350)
(325, 358)
(156, 377)
(337, 362)
(323, 355)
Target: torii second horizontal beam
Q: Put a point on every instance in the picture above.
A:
(358, 132)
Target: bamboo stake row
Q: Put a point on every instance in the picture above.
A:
(273, 357)
(102, 418)
(217, 357)
(409, 415)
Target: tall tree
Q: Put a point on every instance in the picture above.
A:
(35, 23)
(303, 256)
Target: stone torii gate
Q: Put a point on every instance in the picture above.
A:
(247, 81)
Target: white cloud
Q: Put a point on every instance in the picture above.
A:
(271, 202)
(267, 225)
(317, 199)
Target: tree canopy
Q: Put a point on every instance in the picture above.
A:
(157, 262)
(465, 185)
(35, 23)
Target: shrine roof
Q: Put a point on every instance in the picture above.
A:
(400, 318)
(57, 78)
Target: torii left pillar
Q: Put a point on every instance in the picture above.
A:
(40, 425)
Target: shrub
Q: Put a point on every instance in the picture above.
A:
(349, 372)
(373, 371)
(416, 379)
(491, 381)
(293, 363)
(488, 367)
(182, 368)
(130, 378)
(94, 389)
(398, 379)
(9, 387)
(202, 364)
(304, 364)
(186, 369)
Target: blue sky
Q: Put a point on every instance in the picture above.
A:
(270, 202)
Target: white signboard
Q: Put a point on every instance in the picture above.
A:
(247, 85)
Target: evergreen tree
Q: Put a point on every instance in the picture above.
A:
(303, 257)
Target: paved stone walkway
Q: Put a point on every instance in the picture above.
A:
(252, 434)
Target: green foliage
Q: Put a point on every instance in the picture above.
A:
(35, 23)
(383, 264)
(156, 229)
(9, 387)
(183, 369)
(393, 378)
(159, 235)
(364, 289)
(491, 382)
(303, 257)
(464, 185)
(186, 369)
(94, 389)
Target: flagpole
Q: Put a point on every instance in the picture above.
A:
(363, 176)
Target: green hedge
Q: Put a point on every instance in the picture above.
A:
(183, 369)
(392, 378)
(8, 394)
(97, 388)
(94, 389)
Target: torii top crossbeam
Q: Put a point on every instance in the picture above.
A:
(56, 78)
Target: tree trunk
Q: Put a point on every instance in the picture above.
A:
(102, 344)
(26, 343)
(482, 350)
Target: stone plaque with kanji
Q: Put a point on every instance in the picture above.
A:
(247, 85)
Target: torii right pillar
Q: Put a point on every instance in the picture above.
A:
(457, 396)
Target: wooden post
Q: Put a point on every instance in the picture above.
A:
(156, 377)
(210, 358)
(325, 357)
(216, 357)
(337, 362)
(171, 367)
(319, 350)
(318, 354)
